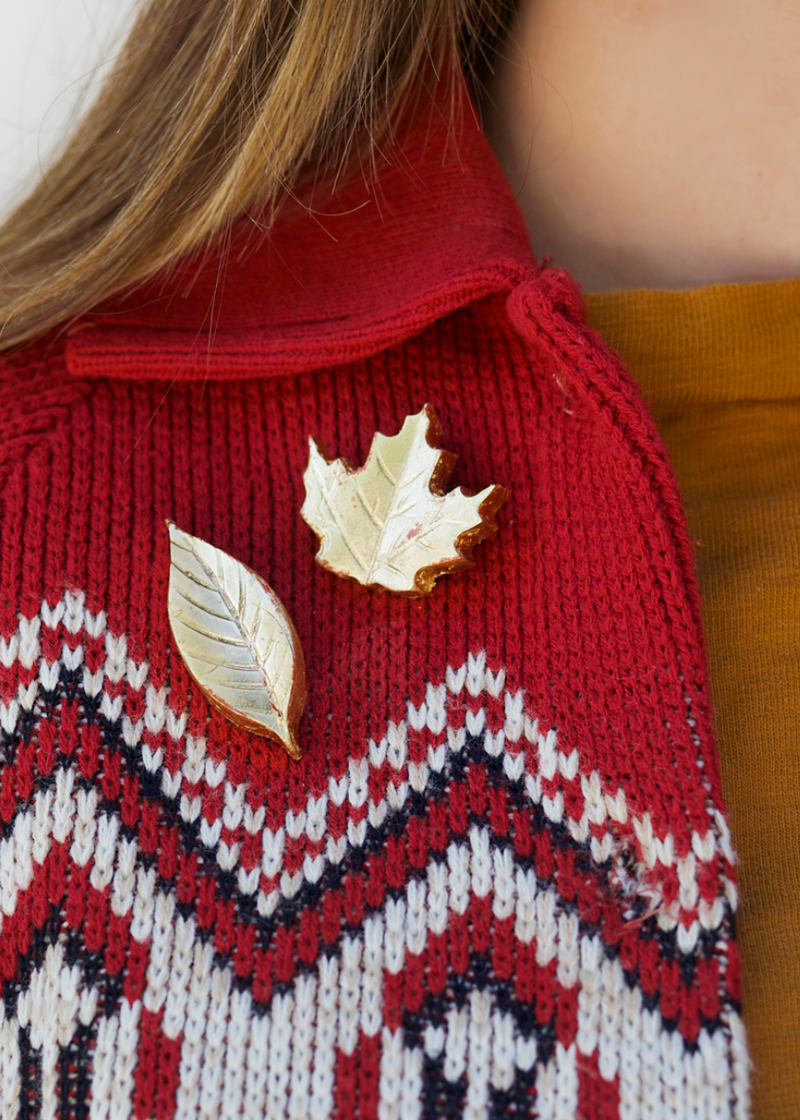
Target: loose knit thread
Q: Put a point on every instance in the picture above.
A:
(500, 879)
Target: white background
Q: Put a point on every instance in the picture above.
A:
(51, 53)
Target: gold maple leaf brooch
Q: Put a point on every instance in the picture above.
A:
(390, 523)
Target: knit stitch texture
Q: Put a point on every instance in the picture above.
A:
(500, 882)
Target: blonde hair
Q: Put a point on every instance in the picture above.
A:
(215, 108)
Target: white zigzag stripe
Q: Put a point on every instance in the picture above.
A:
(602, 810)
(10, 1080)
(198, 1000)
(472, 867)
(115, 1062)
(50, 1006)
(236, 1063)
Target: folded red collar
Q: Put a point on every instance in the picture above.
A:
(435, 229)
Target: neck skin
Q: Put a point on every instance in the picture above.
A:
(654, 143)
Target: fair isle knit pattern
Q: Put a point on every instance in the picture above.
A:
(499, 882)
(562, 986)
(476, 967)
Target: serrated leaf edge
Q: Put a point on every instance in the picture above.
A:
(488, 502)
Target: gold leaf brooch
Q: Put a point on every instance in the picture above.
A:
(390, 523)
(236, 639)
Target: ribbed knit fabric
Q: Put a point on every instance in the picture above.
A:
(500, 880)
(720, 368)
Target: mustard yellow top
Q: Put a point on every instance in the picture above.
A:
(720, 368)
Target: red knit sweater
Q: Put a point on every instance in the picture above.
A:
(499, 883)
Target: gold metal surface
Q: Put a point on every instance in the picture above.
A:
(236, 639)
(390, 523)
